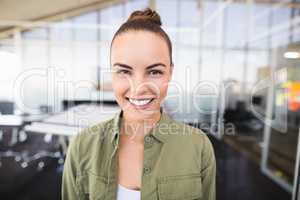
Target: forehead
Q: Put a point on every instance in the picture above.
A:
(139, 48)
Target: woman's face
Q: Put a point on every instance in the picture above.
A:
(141, 69)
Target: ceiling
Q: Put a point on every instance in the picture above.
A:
(39, 9)
(15, 12)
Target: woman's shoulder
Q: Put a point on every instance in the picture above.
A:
(96, 131)
(181, 129)
(93, 135)
(185, 135)
(184, 139)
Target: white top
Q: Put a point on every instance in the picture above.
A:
(124, 193)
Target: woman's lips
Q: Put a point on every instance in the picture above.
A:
(141, 103)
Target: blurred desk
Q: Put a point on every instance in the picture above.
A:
(55, 129)
(96, 97)
(73, 120)
(70, 122)
(11, 120)
(34, 118)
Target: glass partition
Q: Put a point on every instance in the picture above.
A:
(283, 118)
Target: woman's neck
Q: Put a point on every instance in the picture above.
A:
(137, 129)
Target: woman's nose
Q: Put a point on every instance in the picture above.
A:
(138, 85)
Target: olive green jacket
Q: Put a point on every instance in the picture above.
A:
(179, 163)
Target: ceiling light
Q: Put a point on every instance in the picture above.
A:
(292, 55)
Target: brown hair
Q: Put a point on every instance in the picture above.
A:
(146, 20)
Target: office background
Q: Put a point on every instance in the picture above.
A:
(236, 76)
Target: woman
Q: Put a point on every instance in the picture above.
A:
(141, 153)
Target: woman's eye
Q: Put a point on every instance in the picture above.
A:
(123, 72)
(155, 72)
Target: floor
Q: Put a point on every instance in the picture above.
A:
(238, 178)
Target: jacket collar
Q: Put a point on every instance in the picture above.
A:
(160, 131)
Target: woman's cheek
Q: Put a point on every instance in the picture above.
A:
(120, 86)
(162, 84)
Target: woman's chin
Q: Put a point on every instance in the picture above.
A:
(139, 115)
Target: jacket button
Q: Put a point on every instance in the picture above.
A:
(147, 170)
(148, 139)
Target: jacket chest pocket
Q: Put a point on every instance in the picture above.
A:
(180, 187)
(92, 187)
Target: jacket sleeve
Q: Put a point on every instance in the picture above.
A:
(69, 188)
(208, 171)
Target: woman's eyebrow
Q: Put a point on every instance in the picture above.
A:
(122, 65)
(155, 65)
(148, 67)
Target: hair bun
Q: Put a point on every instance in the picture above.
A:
(147, 14)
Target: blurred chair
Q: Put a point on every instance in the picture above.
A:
(9, 120)
(45, 109)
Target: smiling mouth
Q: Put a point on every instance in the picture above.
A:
(140, 102)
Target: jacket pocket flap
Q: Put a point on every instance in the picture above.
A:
(180, 187)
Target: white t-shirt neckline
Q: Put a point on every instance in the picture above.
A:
(124, 193)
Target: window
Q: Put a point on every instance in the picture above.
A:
(36, 33)
(111, 18)
(236, 25)
(85, 27)
(212, 28)
(133, 5)
(259, 27)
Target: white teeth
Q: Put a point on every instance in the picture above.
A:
(139, 102)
